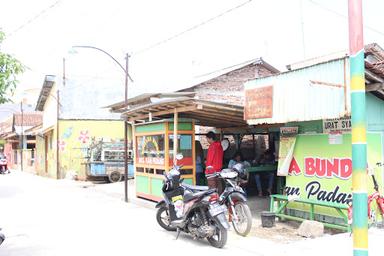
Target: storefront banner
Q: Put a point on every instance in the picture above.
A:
(322, 171)
(150, 160)
(286, 148)
(337, 125)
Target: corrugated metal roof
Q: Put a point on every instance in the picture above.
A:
(312, 93)
(205, 113)
(49, 81)
(145, 98)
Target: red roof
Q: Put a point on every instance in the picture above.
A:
(29, 119)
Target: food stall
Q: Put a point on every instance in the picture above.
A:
(154, 154)
(310, 104)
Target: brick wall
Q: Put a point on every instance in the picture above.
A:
(229, 88)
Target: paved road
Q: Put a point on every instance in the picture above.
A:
(48, 217)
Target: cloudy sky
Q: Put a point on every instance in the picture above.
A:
(171, 42)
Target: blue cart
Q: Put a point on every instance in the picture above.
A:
(106, 160)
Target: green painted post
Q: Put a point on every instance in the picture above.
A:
(359, 141)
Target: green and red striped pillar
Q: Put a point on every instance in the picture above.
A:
(359, 139)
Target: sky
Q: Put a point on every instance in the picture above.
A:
(40, 34)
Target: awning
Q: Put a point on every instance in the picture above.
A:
(35, 130)
(205, 113)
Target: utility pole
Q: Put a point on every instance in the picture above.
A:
(126, 132)
(127, 76)
(57, 136)
(22, 135)
(359, 140)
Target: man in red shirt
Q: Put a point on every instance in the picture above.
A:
(214, 161)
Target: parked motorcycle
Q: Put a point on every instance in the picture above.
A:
(2, 237)
(3, 165)
(233, 197)
(198, 214)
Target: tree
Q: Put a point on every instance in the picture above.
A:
(10, 68)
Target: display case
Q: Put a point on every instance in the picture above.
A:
(154, 154)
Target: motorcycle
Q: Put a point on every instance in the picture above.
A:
(233, 197)
(198, 214)
(3, 165)
(2, 237)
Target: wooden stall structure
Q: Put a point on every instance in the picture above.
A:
(155, 153)
(154, 125)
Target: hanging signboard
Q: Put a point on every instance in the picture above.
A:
(337, 125)
(286, 148)
(258, 103)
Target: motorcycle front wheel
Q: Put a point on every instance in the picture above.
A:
(163, 218)
(219, 239)
(243, 223)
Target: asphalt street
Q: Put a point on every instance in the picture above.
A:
(42, 216)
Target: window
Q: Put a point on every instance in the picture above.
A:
(150, 149)
(184, 147)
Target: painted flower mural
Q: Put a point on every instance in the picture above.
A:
(84, 136)
(62, 145)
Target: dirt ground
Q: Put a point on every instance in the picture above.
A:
(283, 232)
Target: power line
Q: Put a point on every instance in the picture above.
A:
(34, 18)
(191, 28)
(344, 16)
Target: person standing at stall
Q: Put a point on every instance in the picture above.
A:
(214, 161)
(199, 163)
(267, 158)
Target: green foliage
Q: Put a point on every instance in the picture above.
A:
(9, 69)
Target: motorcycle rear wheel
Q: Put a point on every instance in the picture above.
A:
(219, 239)
(163, 218)
(243, 225)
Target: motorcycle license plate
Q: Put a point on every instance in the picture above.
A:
(216, 209)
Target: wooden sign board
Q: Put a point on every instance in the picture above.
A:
(258, 103)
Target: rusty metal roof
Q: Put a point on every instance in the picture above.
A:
(205, 113)
(374, 69)
(13, 123)
(316, 89)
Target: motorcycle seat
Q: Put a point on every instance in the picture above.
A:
(195, 187)
(188, 196)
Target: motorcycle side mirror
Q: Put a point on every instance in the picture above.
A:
(370, 170)
(179, 157)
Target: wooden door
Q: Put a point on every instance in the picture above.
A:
(46, 140)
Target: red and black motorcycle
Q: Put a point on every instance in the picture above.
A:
(3, 165)
(198, 214)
